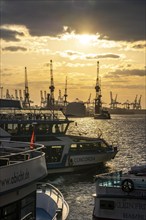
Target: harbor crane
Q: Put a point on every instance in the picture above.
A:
(16, 94)
(135, 102)
(52, 87)
(26, 102)
(139, 102)
(43, 95)
(20, 95)
(113, 103)
(98, 103)
(65, 93)
(8, 96)
(1, 92)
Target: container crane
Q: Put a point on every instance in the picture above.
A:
(20, 95)
(16, 94)
(139, 102)
(8, 94)
(114, 102)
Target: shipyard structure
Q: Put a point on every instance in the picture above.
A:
(92, 108)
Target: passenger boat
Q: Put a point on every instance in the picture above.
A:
(120, 195)
(64, 153)
(20, 196)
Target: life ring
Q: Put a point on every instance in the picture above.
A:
(127, 185)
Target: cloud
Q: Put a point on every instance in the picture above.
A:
(10, 35)
(14, 48)
(103, 56)
(126, 72)
(118, 20)
(78, 55)
(139, 46)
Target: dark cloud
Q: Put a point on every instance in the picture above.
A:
(111, 56)
(14, 48)
(89, 56)
(139, 46)
(126, 72)
(10, 35)
(117, 19)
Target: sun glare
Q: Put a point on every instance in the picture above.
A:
(85, 38)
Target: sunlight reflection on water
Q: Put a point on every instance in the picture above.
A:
(129, 131)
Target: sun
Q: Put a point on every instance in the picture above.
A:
(85, 39)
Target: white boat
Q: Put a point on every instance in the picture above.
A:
(20, 198)
(121, 196)
(64, 153)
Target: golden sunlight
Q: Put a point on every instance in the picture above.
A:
(86, 38)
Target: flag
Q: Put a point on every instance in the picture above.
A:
(32, 141)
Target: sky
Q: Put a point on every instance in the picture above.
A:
(75, 35)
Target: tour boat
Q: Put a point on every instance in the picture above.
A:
(121, 196)
(20, 196)
(64, 152)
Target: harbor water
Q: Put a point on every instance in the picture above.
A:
(128, 132)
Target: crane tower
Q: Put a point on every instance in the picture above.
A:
(65, 93)
(26, 91)
(52, 87)
(98, 103)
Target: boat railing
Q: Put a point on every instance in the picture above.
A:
(31, 115)
(29, 216)
(59, 197)
(14, 154)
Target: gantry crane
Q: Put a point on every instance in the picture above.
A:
(139, 102)
(16, 94)
(114, 102)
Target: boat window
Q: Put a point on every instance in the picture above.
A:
(9, 212)
(107, 204)
(86, 146)
(11, 128)
(74, 146)
(53, 153)
(19, 209)
(28, 205)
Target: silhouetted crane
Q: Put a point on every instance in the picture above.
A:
(98, 103)
(26, 102)
(52, 88)
(65, 93)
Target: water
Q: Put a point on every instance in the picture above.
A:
(129, 132)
